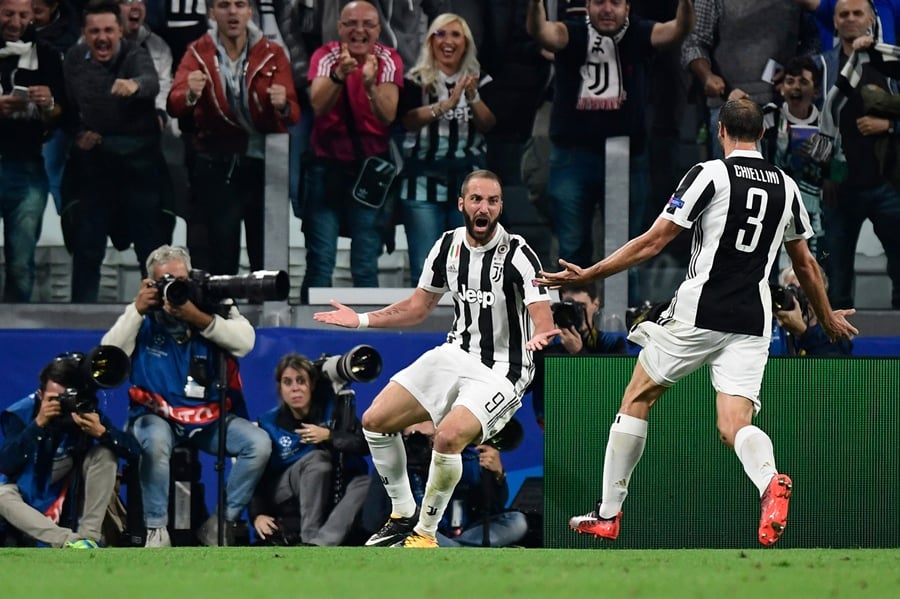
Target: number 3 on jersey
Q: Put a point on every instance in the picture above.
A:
(748, 235)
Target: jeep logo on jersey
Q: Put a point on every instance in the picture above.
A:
(477, 296)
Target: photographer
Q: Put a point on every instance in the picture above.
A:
(174, 398)
(481, 492)
(576, 316)
(45, 440)
(802, 335)
(295, 500)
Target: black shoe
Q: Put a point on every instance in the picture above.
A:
(393, 532)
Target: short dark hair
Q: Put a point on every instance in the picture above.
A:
(62, 371)
(589, 288)
(798, 64)
(742, 119)
(99, 7)
(479, 174)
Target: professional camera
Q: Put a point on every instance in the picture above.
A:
(362, 364)
(104, 367)
(206, 290)
(569, 313)
(784, 296)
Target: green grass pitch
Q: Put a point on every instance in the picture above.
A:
(351, 572)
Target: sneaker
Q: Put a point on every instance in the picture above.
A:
(82, 544)
(774, 509)
(416, 541)
(158, 537)
(208, 533)
(394, 531)
(593, 524)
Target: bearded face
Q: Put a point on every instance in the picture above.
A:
(481, 207)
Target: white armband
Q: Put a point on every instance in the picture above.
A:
(363, 320)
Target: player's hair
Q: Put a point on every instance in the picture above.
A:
(742, 119)
(479, 174)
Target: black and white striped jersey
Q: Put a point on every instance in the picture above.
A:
(741, 209)
(491, 287)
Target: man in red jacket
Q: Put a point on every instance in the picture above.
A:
(232, 87)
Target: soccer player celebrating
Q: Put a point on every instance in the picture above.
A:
(472, 384)
(740, 208)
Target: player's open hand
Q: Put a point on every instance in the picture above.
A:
(541, 340)
(838, 327)
(341, 316)
(571, 274)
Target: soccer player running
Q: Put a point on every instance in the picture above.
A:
(740, 209)
(471, 385)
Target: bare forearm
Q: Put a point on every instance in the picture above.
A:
(636, 251)
(551, 36)
(323, 95)
(406, 312)
(383, 103)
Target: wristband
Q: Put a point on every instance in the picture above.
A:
(435, 111)
(363, 320)
(334, 77)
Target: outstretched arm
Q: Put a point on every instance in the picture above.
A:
(834, 322)
(674, 31)
(410, 311)
(639, 249)
(551, 35)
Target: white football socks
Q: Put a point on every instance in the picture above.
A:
(627, 437)
(389, 458)
(445, 472)
(754, 449)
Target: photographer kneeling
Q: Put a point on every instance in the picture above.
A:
(802, 334)
(55, 443)
(317, 477)
(174, 346)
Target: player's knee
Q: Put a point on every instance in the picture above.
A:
(371, 421)
(449, 441)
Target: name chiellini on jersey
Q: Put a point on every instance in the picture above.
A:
(741, 208)
(491, 286)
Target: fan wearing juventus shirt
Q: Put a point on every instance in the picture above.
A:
(740, 209)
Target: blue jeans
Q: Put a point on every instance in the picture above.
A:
(506, 529)
(330, 212)
(249, 443)
(55, 151)
(842, 224)
(424, 222)
(576, 186)
(23, 196)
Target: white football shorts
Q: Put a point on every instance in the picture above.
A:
(446, 376)
(676, 349)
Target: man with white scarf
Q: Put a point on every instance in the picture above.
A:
(31, 94)
(599, 92)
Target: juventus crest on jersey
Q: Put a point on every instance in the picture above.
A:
(741, 209)
(492, 286)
